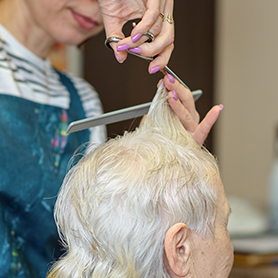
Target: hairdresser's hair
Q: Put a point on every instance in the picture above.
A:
(116, 205)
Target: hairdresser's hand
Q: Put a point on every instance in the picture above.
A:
(183, 105)
(117, 12)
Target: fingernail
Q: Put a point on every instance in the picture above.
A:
(117, 57)
(122, 47)
(136, 37)
(175, 95)
(221, 107)
(136, 50)
(171, 78)
(154, 70)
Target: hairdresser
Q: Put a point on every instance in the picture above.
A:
(37, 103)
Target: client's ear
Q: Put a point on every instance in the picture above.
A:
(177, 249)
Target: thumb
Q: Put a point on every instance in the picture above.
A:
(207, 123)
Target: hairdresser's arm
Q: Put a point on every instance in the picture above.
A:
(117, 12)
(184, 106)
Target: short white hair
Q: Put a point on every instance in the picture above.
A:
(116, 205)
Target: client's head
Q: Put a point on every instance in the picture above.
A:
(147, 204)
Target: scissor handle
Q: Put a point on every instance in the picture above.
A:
(109, 40)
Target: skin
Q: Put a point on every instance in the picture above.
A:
(213, 256)
(51, 21)
(55, 21)
(184, 107)
(117, 13)
(193, 256)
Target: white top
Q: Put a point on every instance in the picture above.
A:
(39, 82)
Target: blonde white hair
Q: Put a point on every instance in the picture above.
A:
(116, 205)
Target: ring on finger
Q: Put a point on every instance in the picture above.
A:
(162, 15)
(150, 36)
(169, 19)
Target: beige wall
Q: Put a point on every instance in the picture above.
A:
(247, 85)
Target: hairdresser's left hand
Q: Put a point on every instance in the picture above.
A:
(183, 105)
(116, 13)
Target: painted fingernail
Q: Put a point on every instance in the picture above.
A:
(136, 50)
(122, 47)
(154, 70)
(136, 37)
(171, 78)
(117, 57)
(175, 95)
(221, 107)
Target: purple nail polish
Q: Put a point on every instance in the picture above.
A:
(117, 57)
(136, 50)
(136, 37)
(171, 78)
(122, 47)
(154, 70)
(221, 107)
(175, 95)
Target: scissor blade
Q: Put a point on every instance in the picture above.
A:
(116, 116)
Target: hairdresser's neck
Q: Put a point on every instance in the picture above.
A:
(17, 18)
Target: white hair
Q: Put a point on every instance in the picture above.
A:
(116, 205)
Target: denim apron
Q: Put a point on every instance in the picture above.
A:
(34, 156)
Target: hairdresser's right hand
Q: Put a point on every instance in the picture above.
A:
(116, 13)
(183, 105)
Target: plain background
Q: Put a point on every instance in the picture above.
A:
(246, 82)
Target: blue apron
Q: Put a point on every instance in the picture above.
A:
(34, 156)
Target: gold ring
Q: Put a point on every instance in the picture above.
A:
(169, 19)
(162, 15)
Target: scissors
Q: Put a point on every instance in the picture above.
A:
(149, 59)
(126, 113)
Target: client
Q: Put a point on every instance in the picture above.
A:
(147, 204)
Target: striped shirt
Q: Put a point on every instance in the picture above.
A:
(39, 82)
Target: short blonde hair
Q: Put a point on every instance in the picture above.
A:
(116, 205)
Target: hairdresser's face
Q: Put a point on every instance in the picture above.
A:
(66, 21)
(213, 256)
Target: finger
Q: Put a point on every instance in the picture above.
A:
(139, 39)
(185, 96)
(115, 14)
(205, 126)
(162, 46)
(149, 18)
(162, 41)
(155, 29)
(157, 47)
(183, 114)
(159, 83)
(115, 31)
(120, 54)
(168, 11)
(161, 60)
(151, 22)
